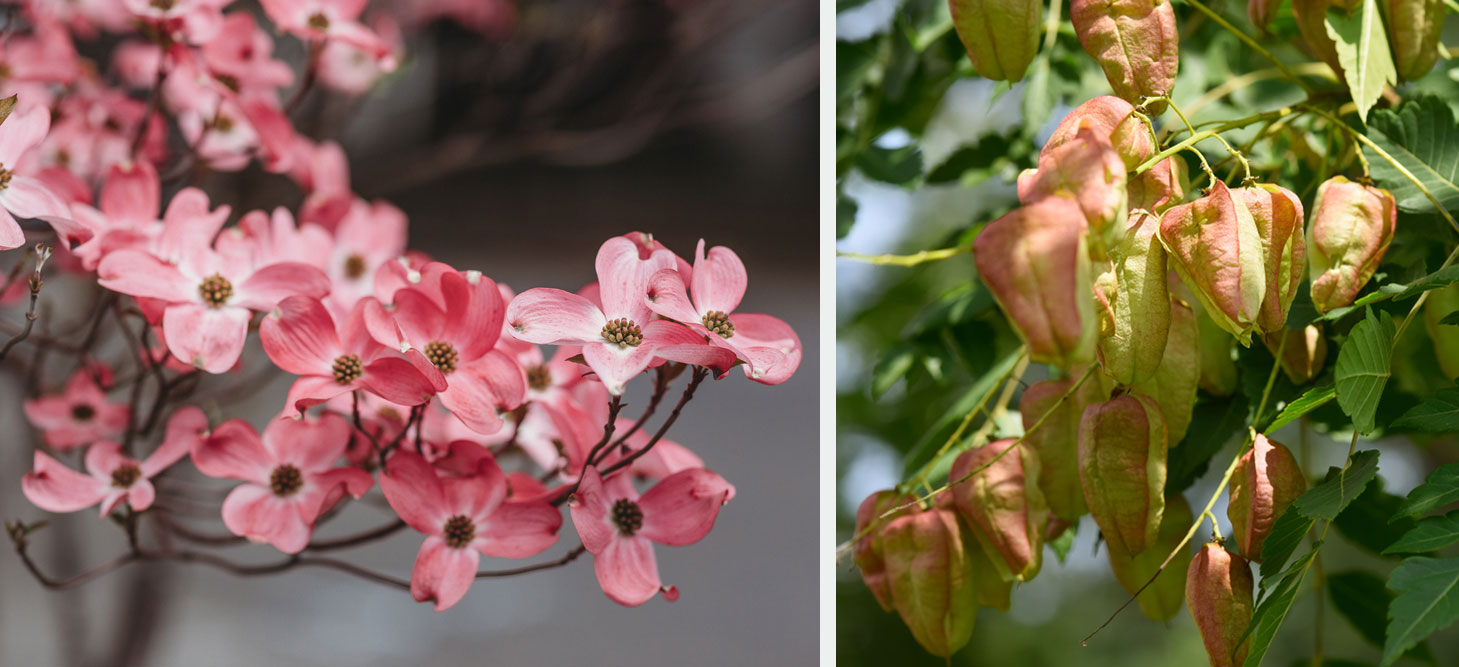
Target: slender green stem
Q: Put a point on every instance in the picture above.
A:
(1252, 43)
(1016, 370)
(908, 260)
(1201, 135)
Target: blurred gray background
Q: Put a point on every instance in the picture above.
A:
(700, 123)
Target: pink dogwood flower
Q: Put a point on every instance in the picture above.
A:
(767, 345)
(463, 518)
(21, 194)
(619, 527)
(301, 337)
(78, 416)
(328, 20)
(112, 477)
(291, 476)
(620, 338)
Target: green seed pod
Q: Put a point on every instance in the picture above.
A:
(1218, 595)
(1352, 225)
(1266, 481)
(1441, 302)
(1140, 309)
(1088, 169)
(1003, 505)
(1414, 28)
(1001, 36)
(1304, 355)
(1215, 247)
(867, 550)
(1114, 120)
(992, 591)
(1056, 442)
(1162, 600)
(1174, 384)
(1160, 188)
(1279, 221)
(931, 578)
(1135, 42)
(1035, 261)
(1122, 447)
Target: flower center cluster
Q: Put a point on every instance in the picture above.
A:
(347, 368)
(216, 290)
(4, 177)
(539, 378)
(82, 412)
(319, 21)
(125, 475)
(459, 531)
(222, 124)
(442, 355)
(623, 331)
(162, 5)
(627, 516)
(719, 323)
(354, 267)
(285, 480)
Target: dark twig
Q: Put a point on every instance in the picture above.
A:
(357, 539)
(566, 558)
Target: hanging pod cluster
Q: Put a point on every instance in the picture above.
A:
(1414, 28)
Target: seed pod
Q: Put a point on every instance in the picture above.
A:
(1266, 481)
(1140, 309)
(1001, 36)
(1035, 261)
(1122, 446)
(1004, 506)
(932, 581)
(867, 550)
(1174, 383)
(1304, 354)
(1162, 600)
(1056, 442)
(1114, 120)
(1261, 12)
(1414, 28)
(1310, 23)
(1352, 225)
(1279, 220)
(992, 591)
(1446, 337)
(1218, 595)
(1215, 247)
(1088, 169)
(1135, 41)
(1160, 188)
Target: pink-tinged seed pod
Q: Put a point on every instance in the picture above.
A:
(1261, 12)
(1035, 260)
(1310, 15)
(1174, 384)
(1352, 225)
(1441, 302)
(867, 550)
(1217, 348)
(1113, 119)
(1160, 188)
(993, 592)
(1003, 505)
(1056, 442)
(1218, 595)
(1279, 221)
(1266, 481)
(1162, 600)
(1414, 28)
(1088, 169)
(1001, 36)
(1136, 42)
(1140, 308)
(1215, 247)
(1122, 447)
(1304, 354)
(932, 581)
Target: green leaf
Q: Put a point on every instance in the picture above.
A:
(897, 166)
(925, 448)
(1427, 601)
(1362, 368)
(1315, 398)
(984, 155)
(1421, 136)
(1362, 50)
(1431, 534)
(1362, 599)
(1286, 536)
(1213, 424)
(845, 215)
(892, 367)
(1063, 543)
(1441, 278)
(1439, 413)
(1365, 522)
(1273, 608)
(1329, 498)
(1440, 489)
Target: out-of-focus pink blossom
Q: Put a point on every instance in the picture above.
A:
(78, 416)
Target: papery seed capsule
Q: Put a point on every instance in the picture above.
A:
(1001, 36)
(1162, 600)
(931, 578)
(1261, 12)
(1440, 304)
(1304, 354)
(1003, 505)
(1279, 221)
(1218, 595)
(1122, 447)
(1056, 441)
(1215, 247)
(992, 590)
(1114, 120)
(1311, 23)
(1035, 261)
(1135, 42)
(1158, 189)
(1266, 481)
(1352, 225)
(867, 550)
(1140, 309)
(1174, 383)
(1414, 28)
(1088, 169)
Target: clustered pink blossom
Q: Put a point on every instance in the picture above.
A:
(479, 411)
